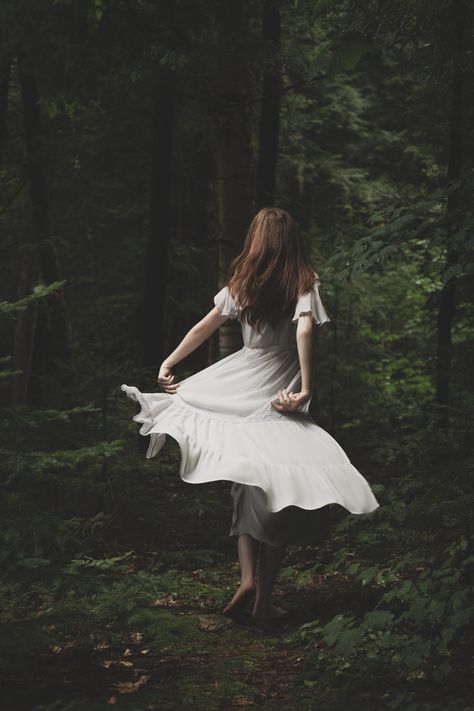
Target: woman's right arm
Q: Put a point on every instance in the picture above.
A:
(196, 335)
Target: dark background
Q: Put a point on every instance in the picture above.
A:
(137, 140)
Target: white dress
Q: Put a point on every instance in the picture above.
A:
(226, 428)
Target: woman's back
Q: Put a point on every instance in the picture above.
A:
(283, 334)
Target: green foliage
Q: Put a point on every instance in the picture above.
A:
(40, 291)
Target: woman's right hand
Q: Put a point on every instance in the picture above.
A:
(166, 378)
(289, 401)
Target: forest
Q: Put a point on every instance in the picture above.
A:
(138, 138)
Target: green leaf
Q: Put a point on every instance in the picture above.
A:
(378, 618)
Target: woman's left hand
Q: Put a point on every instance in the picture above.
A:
(289, 401)
(166, 379)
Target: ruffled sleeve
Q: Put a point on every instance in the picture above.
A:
(310, 303)
(225, 303)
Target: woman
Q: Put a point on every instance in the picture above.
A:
(246, 417)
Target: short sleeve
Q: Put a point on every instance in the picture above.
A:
(310, 303)
(225, 303)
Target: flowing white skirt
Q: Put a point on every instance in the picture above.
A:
(226, 429)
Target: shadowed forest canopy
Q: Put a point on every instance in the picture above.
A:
(138, 138)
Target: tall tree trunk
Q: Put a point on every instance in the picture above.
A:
(234, 215)
(153, 327)
(24, 334)
(271, 99)
(207, 228)
(4, 83)
(52, 336)
(447, 297)
(332, 391)
(233, 156)
(197, 224)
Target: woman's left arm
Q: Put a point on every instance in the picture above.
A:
(196, 335)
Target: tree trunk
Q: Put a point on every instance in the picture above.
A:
(207, 230)
(52, 337)
(198, 226)
(24, 335)
(447, 297)
(233, 157)
(332, 391)
(206, 224)
(233, 169)
(4, 83)
(271, 99)
(153, 326)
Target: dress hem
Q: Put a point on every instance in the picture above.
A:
(200, 465)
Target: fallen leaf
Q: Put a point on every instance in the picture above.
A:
(212, 623)
(101, 645)
(106, 663)
(166, 601)
(131, 687)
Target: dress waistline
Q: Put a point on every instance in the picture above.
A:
(290, 349)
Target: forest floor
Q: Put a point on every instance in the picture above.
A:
(134, 618)
(182, 653)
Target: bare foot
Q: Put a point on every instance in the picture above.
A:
(271, 612)
(243, 594)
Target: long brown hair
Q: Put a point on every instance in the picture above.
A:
(272, 270)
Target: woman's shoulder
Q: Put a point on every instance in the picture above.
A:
(226, 303)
